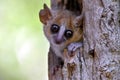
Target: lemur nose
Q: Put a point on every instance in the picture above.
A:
(58, 41)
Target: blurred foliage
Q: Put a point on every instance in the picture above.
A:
(23, 47)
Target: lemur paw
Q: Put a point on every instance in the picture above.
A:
(73, 47)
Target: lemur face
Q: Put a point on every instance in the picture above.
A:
(59, 27)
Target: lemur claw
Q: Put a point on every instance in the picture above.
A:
(73, 47)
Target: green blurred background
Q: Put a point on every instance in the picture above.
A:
(23, 46)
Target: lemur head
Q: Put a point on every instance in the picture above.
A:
(61, 27)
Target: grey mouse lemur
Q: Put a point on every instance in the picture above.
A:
(61, 27)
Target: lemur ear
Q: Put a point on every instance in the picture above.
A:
(45, 14)
(78, 21)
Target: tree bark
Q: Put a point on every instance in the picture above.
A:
(99, 59)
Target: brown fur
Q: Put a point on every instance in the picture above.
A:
(61, 17)
(68, 18)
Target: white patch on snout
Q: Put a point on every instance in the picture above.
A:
(61, 33)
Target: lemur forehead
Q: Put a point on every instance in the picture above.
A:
(64, 19)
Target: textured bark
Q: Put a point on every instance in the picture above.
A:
(99, 59)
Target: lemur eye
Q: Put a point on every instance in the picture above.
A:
(68, 34)
(55, 28)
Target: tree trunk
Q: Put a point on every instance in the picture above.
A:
(99, 59)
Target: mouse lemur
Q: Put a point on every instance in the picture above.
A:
(61, 27)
